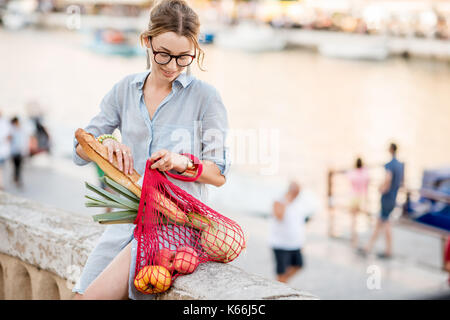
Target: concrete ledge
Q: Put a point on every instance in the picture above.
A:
(218, 281)
(45, 237)
(42, 251)
(23, 281)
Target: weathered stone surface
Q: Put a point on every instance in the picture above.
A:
(45, 237)
(23, 281)
(53, 240)
(218, 281)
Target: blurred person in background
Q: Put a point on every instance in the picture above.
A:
(393, 180)
(19, 144)
(359, 180)
(4, 145)
(40, 139)
(287, 231)
(39, 135)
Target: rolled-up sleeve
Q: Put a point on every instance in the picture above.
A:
(214, 133)
(105, 122)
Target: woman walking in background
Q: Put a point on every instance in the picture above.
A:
(359, 180)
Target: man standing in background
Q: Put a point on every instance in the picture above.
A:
(393, 180)
(287, 234)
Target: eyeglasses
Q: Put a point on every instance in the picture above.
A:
(163, 58)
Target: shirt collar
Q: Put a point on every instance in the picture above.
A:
(184, 79)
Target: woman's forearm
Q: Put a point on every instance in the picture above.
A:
(211, 174)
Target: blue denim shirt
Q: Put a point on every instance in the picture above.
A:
(191, 119)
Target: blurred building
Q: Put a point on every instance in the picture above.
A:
(398, 18)
(107, 7)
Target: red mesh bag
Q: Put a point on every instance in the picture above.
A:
(175, 232)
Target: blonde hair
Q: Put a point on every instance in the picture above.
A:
(174, 16)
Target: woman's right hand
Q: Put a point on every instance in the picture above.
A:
(123, 154)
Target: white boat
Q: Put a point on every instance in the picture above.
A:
(355, 49)
(251, 37)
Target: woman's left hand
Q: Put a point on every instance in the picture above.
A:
(165, 160)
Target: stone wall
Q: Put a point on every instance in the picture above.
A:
(20, 280)
(43, 250)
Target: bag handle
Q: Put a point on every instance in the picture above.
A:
(197, 165)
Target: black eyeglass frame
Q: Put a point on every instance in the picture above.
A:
(170, 55)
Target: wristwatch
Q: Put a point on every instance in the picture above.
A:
(189, 165)
(194, 169)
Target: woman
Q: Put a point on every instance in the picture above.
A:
(161, 114)
(359, 179)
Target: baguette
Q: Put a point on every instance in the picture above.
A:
(99, 154)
